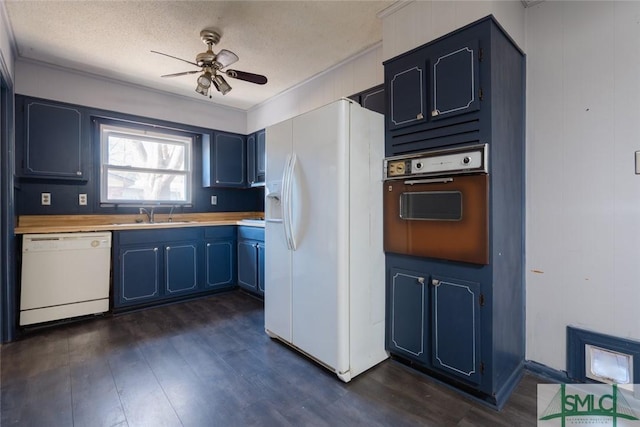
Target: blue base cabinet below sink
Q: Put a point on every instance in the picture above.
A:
(139, 270)
(181, 267)
(154, 266)
(251, 259)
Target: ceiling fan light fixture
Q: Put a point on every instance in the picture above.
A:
(221, 84)
(204, 83)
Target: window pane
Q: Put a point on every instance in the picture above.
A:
(148, 154)
(145, 186)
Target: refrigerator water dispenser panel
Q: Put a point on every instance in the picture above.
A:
(273, 205)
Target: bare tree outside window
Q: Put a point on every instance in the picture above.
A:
(143, 167)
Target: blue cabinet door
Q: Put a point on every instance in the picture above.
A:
(261, 287)
(220, 263)
(454, 83)
(139, 272)
(180, 268)
(251, 159)
(407, 314)
(373, 99)
(261, 164)
(248, 264)
(456, 328)
(228, 160)
(406, 85)
(256, 161)
(52, 146)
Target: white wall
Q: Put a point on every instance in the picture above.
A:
(50, 82)
(6, 43)
(583, 198)
(412, 24)
(404, 28)
(357, 74)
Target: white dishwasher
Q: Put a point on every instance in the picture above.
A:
(64, 275)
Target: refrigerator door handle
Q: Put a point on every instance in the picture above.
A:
(285, 200)
(291, 177)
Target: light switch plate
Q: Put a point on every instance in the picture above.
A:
(82, 199)
(45, 199)
(637, 162)
(214, 200)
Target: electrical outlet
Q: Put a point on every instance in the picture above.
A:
(82, 199)
(214, 200)
(45, 199)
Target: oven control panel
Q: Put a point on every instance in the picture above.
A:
(453, 161)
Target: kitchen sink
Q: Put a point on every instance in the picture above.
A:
(143, 224)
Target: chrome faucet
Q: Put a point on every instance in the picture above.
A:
(149, 214)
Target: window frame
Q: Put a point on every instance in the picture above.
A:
(145, 132)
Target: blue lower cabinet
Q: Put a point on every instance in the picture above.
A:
(260, 284)
(456, 327)
(407, 313)
(248, 265)
(181, 268)
(220, 261)
(251, 259)
(156, 266)
(138, 279)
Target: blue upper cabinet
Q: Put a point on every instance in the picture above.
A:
(251, 159)
(224, 160)
(372, 99)
(437, 93)
(256, 161)
(52, 140)
(261, 159)
(406, 80)
(454, 81)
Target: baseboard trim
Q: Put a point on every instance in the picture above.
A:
(543, 371)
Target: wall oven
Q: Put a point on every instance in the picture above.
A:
(436, 204)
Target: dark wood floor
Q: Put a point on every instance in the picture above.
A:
(209, 363)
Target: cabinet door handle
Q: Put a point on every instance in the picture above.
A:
(421, 280)
(168, 248)
(155, 249)
(435, 282)
(79, 173)
(208, 244)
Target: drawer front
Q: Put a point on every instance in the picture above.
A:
(251, 233)
(220, 232)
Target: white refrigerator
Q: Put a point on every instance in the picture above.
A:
(324, 262)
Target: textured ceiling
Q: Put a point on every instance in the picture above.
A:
(288, 41)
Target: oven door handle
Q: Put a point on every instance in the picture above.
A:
(428, 181)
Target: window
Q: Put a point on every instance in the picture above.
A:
(142, 165)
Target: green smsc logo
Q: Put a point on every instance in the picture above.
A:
(573, 402)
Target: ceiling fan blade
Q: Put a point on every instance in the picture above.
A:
(181, 74)
(175, 57)
(225, 58)
(258, 79)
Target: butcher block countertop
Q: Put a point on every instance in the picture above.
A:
(36, 224)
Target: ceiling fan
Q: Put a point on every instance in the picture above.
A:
(211, 65)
